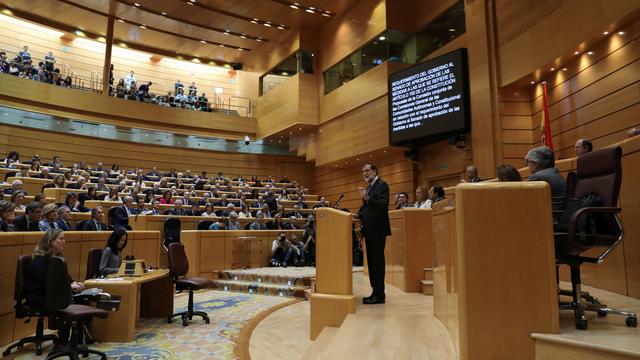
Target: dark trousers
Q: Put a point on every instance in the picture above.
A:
(375, 262)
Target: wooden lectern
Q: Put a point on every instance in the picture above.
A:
(333, 298)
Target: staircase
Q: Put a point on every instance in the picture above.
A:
(427, 282)
(264, 281)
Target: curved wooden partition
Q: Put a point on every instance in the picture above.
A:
(141, 244)
(210, 251)
(57, 101)
(333, 298)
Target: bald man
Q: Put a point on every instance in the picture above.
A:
(583, 146)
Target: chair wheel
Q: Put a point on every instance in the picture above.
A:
(602, 313)
(169, 320)
(581, 324)
(207, 321)
(6, 353)
(631, 321)
(185, 322)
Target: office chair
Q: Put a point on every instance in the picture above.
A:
(178, 267)
(171, 231)
(204, 224)
(593, 223)
(111, 216)
(93, 263)
(80, 225)
(25, 311)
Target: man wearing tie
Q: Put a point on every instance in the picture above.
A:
(122, 213)
(374, 220)
(95, 224)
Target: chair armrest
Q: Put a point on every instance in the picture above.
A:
(589, 210)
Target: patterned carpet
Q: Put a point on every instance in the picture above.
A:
(156, 339)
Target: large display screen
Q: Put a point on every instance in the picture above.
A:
(429, 101)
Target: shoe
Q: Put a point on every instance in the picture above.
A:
(373, 299)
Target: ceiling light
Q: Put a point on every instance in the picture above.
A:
(190, 3)
(589, 52)
(203, 41)
(605, 33)
(552, 69)
(533, 82)
(576, 52)
(254, 20)
(281, 27)
(120, 20)
(226, 32)
(564, 69)
(243, 36)
(310, 11)
(136, 4)
(382, 38)
(326, 14)
(142, 27)
(164, 13)
(294, 6)
(452, 30)
(267, 24)
(221, 45)
(241, 49)
(620, 32)
(259, 39)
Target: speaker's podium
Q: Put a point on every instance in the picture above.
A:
(333, 298)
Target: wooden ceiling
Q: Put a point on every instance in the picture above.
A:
(221, 30)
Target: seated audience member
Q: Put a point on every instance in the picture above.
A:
(102, 184)
(112, 253)
(298, 255)
(285, 180)
(633, 132)
(282, 251)
(49, 217)
(186, 198)
(402, 200)
(44, 174)
(323, 203)
(166, 197)
(129, 80)
(91, 194)
(289, 224)
(436, 193)
(16, 185)
(218, 225)
(29, 221)
(155, 209)
(59, 181)
(233, 223)
(296, 213)
(71, 201)
(95, 224)
(17, 198)
(508, 173)
(583, 146)
(301, 202)
(421, 198)
(23, 172)
(541, 163)
(472, 174)
(24, 54)
(35, 166)
(266, 212)
(178, 210)
(121, 89)
(206, 199)
(123, 212)
(309, 238)
(14, 156)
(244, 210)
(113, 195)
(258, 224)
(148, 198)
(155, 189)
(229, 209)
(39, 197)
(7, 216)
(81, 184)
(208, 210)
(64, 215)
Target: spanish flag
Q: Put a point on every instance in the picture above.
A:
(545, 126)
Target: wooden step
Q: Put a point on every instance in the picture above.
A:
(428, 273)
(427, 287)
(321, 344)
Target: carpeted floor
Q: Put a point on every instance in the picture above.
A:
(156, 339)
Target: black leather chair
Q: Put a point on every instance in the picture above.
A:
(80, 225)
(171, 228)
(93, 263)
(25, 311)
(178, 267)
(591, 224)
(204, 224)
(111, 216)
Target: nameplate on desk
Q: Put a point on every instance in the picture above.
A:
(132, 268)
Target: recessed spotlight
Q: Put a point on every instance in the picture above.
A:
(620, 32)
(576, 53)
(221, 45)
(243, 36)
(589, 52)
(294, 6)
(533, 82)
(605, 33)
(164, 13)
(142, 27)
(326, 14)
(267, 24)
(226, 32)
(564, 69)
(281, 27)
(310, 11)
(136, 4)
(240, 49)
(190, 3)
(382, 38)
(259, 39)
(203, 41)
(120, 20)
(552, 69)
(254, 20)
(452, 30)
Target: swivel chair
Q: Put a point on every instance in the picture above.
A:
(178, 267)
(595, 225)
(204, 224)
(171, 229)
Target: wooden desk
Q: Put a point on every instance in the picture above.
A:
(149, 296)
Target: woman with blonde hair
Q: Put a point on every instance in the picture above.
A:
(59, 181)
(421, 198)
(49, 217)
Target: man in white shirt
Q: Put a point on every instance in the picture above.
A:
(130, 79)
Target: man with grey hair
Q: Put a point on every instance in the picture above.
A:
(95, 224)
(472, 174)
(583, 146)
(541, 162)
(16, 185)
(64, 215)
(178, 210)
(233, 223)
(122, 213)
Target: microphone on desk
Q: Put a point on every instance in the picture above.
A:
(339, 198)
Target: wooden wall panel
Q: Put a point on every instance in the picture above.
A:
(86, 56)
(528, 33)
(74, 148)
(54, 100)
(332, 181)
(351, 30)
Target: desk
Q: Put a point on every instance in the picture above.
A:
(154, 291)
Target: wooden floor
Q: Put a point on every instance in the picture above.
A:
(394, 330)
(607, 336)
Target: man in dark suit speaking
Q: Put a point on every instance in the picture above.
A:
(374, 219)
